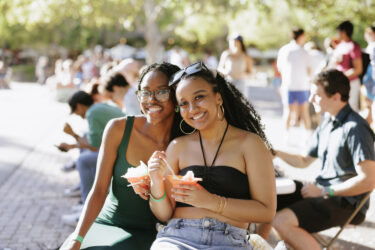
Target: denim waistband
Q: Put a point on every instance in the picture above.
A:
(206, 223)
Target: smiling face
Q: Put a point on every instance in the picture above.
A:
(154, 110)
(199, 104)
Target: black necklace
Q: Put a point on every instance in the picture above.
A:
(218, 149)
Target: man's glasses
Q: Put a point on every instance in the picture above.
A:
(189, 70)
(161, 95)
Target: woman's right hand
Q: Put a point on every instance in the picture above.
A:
(157, 166)
(143, 190)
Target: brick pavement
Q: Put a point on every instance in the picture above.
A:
(31, 201)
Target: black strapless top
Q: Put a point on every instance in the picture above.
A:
(221, 180)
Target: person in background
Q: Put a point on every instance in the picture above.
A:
(41, 69)
(115, 88)
(114, 216)
(4, 71)
(276, 81)
(236, 64)
(89, 69)
(317, 58)
(130, 68)
(179, 57)
(368, 81)
(348, 58)
(344, 143)
(210, 60)
(294, 65)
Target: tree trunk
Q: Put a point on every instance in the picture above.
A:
(154, 46)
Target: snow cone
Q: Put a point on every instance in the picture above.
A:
(136, 175)
(188, 179)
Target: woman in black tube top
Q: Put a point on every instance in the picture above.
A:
(229, 151)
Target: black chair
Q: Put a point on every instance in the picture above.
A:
(328, 244)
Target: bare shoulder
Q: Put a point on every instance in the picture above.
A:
(113, 132)
(117, 124)
(180, 144)
(247, 140)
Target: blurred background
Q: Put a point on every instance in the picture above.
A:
(49, 49)
(148, 29)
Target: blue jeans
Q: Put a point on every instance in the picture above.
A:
(206, 233)
(86, 166)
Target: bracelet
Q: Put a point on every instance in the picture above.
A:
(222, 203)
(159, 200)
(218, 206)
(79, 238)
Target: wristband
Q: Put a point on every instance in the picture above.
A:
(79, 238)
(328, 192)
(159, 200)
(331, 192)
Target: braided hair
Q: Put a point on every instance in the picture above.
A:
(239, 112)
(168, 70)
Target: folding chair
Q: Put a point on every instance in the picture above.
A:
(328, 245)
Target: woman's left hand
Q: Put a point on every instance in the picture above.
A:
(194, 195)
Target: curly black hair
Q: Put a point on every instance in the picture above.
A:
(239, 112)
(167, 69)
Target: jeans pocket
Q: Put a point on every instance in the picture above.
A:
(237, 240)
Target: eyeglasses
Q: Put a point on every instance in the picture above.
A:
(161, 95)
(189, 70)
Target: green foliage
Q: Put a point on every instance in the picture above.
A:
(78, 24)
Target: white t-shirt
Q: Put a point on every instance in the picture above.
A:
(318, 61)
(293, 63)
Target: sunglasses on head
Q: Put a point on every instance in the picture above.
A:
(189, 70)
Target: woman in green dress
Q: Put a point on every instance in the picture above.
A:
(114, 216)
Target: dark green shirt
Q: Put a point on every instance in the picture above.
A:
(123, 207)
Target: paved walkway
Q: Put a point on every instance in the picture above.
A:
(31, 183)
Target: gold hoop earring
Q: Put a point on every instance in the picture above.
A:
(186, 133)
(222, 110)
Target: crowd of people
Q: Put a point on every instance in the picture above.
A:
(298, 63)
(183, 118)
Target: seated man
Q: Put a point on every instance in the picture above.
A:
(344, 143)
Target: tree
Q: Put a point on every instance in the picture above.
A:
(78, 24)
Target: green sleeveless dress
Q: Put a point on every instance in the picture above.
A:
(125, 221)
